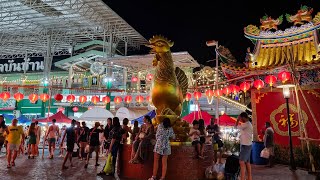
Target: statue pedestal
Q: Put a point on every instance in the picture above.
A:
(182, 163)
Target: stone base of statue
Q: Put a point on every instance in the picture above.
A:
(182, 163)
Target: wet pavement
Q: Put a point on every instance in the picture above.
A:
(45, 168)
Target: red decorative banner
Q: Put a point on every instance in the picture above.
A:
(271, 106)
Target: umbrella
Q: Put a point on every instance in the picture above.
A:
(152, 114)
(59, 117)
(225, 120)
(22, 119)
(196, 115)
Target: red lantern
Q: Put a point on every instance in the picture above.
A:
(234, 89)
(197, 95)
(95, 99)
(148, 98)
(61, 109)
(134, 79)
(71, 98)
(33, 98)
(245, 86)
(128, 99)
(271, 79)
(117, 99)
(226, 91)
(58, 97)
(188, 97)
(44, 97)
(284, 76)
(106, 99)
(18, 96)
(5, 96)
(75, 109)
(209, 93)
(82, 99)
(149, 77)
(139, 99)
(218, 92)
(258, 84)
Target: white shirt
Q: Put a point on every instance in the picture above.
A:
(246, 133)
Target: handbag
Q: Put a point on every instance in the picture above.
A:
(265, 153)
(108, 168)
(76, 147)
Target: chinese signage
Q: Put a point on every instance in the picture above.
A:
(26, 65)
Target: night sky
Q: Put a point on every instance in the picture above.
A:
(191, 23)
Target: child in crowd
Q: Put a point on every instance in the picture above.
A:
(195, 137)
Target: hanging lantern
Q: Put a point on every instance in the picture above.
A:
(75, 109)
(60, 109)
(234, 89)
(18, 96)
(271, 79)
(33, 98)
(218, 92)
(284, 76)
(188, 97)
(245, 86)
(128, 99)
(44, 97)
(95, 99)
(117, 99)
(226, 91)
(106, 99)
(82, 99)
(197, 95)
(134, 79)
(209, 93)
(148, 98)
(5, 96)
(139, 99)
(58, 97)
(149, 77)
(258, 84)
(71, 98)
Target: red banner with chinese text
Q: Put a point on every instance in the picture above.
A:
(271, 106)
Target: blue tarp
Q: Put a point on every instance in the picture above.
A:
(152, 114)
(22, 119)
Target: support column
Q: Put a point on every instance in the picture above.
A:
(70, 76)
(125, 78)
(125, 48)
(46, 75)
(109, 71)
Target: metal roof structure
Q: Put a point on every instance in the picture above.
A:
(26, 26)
(133, 63)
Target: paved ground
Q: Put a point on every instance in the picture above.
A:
(51, 169)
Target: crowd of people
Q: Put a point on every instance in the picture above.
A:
(81, 140)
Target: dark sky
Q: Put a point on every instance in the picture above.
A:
(191, 23)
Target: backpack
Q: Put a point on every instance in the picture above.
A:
(232, 165)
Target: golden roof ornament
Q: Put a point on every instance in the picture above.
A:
(158, 38)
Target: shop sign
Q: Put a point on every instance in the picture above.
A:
(12, 66)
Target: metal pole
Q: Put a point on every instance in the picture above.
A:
(292, 163)
(217, 85)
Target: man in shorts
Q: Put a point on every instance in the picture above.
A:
(14, 134)
(71, 140)
(94, 143)
(83, 139)
(246, 137)
(52, 133)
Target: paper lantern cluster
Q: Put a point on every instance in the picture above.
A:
(245, 86)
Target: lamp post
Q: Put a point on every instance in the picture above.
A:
(286, 95)
(108, 81)
(209, 44)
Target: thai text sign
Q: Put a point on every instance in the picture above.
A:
(26, 65)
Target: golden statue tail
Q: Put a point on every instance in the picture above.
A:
(183, 80)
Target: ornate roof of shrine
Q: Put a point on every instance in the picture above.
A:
(274, 49)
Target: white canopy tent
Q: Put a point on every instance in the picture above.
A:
(131, 114)
(96, 115)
